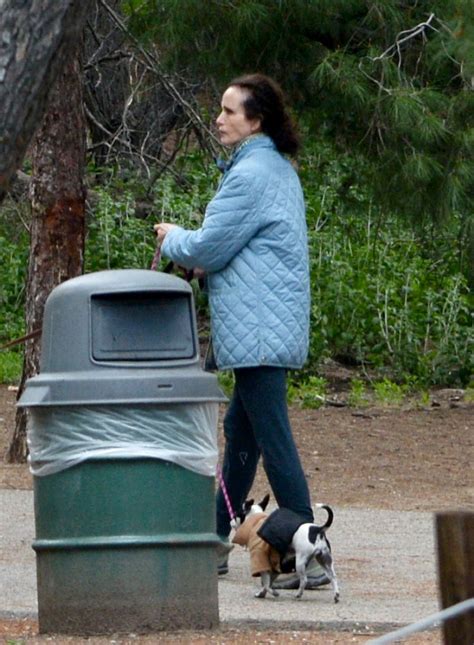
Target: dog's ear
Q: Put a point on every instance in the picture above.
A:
(247, 505)
(264, 503)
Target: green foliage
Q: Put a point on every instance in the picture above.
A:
(398, 110)
(383, 304)
(116, 238)
(390, 79)
(389, 393)
(309, 393)
(226, 382)
(385, 295)
(358, 397)
(13, 270)
(424, 398)
(11, 364)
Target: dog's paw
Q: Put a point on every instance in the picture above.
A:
(261, 593)
(275, 593)
(336, 598)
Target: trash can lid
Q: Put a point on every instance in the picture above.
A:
(117, 387)
(120, 318)
(120, 336)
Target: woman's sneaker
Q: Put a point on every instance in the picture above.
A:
(315, 573)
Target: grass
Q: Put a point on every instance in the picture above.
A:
(11, 364)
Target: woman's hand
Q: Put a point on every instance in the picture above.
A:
(162, 229)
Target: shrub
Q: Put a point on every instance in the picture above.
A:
(385, 293)
(11, 364)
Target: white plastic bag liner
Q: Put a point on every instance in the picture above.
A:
(185, 434)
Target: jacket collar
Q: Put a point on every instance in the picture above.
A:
(243, 148)
(242, 534)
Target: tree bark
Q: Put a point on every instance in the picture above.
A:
(58, 215)
(35, 38)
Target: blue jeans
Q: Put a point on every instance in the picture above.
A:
(257, 424)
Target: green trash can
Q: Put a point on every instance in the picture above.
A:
(123, 451)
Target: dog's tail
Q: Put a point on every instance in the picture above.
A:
(330, 513)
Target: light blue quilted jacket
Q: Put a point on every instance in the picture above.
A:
(253, 246)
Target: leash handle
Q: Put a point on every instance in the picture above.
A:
(156, 257)
(225, 493)
(188, 273)
(154, 264)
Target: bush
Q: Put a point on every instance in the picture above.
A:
(385, 292)
(11, 364)
(116, 239)
(382, 304)
(13, 271)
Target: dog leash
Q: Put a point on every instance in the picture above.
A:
(230, 510)
(156, 257)
(188, 274)
(154, 264)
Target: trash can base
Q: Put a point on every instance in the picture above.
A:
(125, 546)
(140, 590)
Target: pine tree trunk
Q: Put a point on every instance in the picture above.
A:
(58, 215)
(35, 38)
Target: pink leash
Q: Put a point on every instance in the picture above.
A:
(156, 257)
(154, 264)
(226, 496)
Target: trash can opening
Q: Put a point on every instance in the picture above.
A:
(142, 326)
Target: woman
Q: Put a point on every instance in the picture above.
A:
(253, 247)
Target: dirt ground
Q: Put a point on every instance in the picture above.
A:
(399, 458)
(408, 458)
(25, 631)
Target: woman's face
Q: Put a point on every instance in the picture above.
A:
(232, 122)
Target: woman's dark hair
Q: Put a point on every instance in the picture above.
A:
(266, 102)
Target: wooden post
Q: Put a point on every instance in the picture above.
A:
(455, 536)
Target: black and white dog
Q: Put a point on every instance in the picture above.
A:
(307, 541)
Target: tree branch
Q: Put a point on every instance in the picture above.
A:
(153, 65)
(165, 165)
(410, 33)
